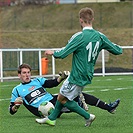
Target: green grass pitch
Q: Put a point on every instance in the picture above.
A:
(106, 88)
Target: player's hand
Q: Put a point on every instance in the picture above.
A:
(48, 52)
(17, 103)
(64, 74)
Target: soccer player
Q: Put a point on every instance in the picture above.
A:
(85, 46)
(32, 92)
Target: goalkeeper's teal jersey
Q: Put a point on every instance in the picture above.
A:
(85, 47)
(32, 93)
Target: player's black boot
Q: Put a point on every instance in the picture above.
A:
(113, 106)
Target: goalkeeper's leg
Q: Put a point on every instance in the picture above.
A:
(94, 101)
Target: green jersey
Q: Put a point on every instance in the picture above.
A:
(85, 47)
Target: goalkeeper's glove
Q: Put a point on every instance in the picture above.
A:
(17, 103)
(63, 75)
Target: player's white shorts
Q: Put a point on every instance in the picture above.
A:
(70, 90)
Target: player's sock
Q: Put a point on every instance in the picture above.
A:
(103, 105)
(73, 106)
(56, 111)
(93, 101)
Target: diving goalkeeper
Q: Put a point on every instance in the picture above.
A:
(32, 92)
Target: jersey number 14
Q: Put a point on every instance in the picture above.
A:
(92, 51)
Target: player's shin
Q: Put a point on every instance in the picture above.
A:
(73, 106)
(56, 111)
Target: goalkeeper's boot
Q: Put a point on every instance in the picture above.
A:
(90, 120)
(46, 121)
(113, 106)
(82, 99)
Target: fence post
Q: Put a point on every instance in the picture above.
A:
(53, 67)
(1, 66)
(21, 57)
(40, 64)
(103, 63)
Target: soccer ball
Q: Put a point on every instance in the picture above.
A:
(45, 108)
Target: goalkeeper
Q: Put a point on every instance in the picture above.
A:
(32, 92)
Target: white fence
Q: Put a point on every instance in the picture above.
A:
(53, 74)
(83, 1)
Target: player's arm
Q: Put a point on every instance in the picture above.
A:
(111, 47)
(55, 82)
(67, 50)
(71, 46)
(14, 106)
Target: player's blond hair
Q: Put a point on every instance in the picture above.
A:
(86, 14)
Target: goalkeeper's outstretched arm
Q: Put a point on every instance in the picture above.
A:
(55, 82)
(14, 106)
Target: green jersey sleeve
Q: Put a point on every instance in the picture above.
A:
(109, 46)
(71, 46)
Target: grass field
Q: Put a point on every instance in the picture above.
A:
(106, 88)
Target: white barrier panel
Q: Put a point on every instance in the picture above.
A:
(1, 66)
(53, 74)
(96, 1)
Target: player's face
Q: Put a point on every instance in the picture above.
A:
(25, 75)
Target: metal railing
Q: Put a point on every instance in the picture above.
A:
(53, 74)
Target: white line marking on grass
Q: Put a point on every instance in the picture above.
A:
(98, 80)
(105, 90)
(8, 85)
(108, 79)
(119, 78)
(89, 91)
(120, 89)
(6, 99)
